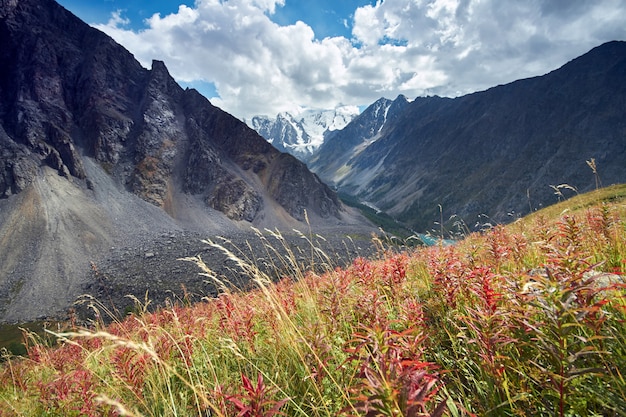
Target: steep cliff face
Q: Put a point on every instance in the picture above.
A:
(97, 151)
(285, 190)
(70, 90)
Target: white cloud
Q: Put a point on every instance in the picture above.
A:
(413, 47)
(117, 19)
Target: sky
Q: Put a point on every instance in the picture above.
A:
(262, 57)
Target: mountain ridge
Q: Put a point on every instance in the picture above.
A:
(100, 153)
(493, 154)
(333, 155)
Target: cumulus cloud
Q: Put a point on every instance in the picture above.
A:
(411, 47)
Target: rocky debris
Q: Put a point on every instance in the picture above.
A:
(236, 199)
(154, 268)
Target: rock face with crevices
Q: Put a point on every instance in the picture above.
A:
(96, 150)
(72, 91)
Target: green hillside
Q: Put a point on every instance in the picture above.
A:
(615, 194)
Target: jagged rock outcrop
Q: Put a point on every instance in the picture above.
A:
(236, 199)
(285, 191)
(17, 169)
(71, 89)
(97, 152)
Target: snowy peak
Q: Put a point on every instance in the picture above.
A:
(375, 117)
(332, 160)
(302, 133)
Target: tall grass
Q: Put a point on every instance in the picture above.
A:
(528, 319)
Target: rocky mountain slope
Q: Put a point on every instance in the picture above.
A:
(302, 133)
(493, 155)
(99, 152)
(335, 153)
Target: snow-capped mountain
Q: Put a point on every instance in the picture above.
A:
(302, 133)
(332, 159)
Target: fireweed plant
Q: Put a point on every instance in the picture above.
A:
(527, 319)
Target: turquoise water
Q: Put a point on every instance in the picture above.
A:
(432, 240)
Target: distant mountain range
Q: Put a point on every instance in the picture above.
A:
(97, 151)
(487, 157)
(302, 133)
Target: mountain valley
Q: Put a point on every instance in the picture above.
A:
(488, 157)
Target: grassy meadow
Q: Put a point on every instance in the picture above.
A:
(520, 320)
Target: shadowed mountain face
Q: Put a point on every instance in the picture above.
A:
(494, 153)
(96, 150)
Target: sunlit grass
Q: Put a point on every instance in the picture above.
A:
(527, 319)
